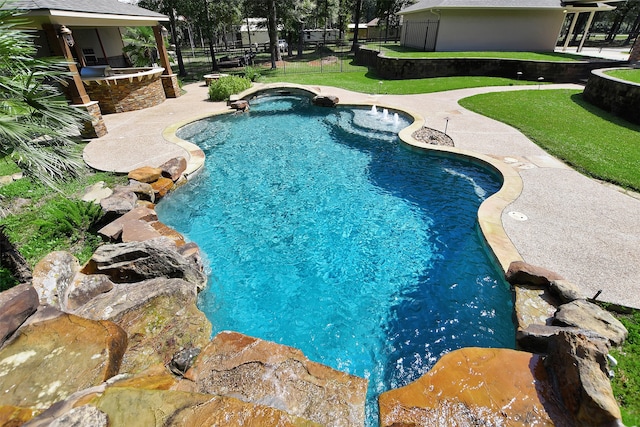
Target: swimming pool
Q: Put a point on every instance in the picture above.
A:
(323, 232)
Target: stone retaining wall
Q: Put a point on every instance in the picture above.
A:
(619, 97)
(418, 68)
(127, 94)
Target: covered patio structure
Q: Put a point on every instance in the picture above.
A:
(88, 34)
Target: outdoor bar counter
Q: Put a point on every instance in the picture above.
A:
(123, 89)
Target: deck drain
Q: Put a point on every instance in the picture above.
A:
(518, 216)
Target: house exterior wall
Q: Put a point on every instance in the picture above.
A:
(493, 30)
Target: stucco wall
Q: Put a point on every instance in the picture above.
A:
(502, 30)
(619, 97)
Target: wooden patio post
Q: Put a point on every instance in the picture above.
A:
(94, 127)
(169, 79)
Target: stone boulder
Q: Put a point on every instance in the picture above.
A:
(160, 317)
(473, 387)
(146, 174)
(84, 288)
(97, 192)
(521, 273)
(131, 297)
(143, 190)
(113, 230)
(11, 416)
(325, 100)
(178, 409)
(191, 251)
(82, 416)
(536, 338)
(165, 230)
(174, 168)
(281, 377)
(55, 354)
(183, 360)
(52, 275)
(578, 367)
(138, 231)
(16, 305)
(137, 261)
(119, 203)
(585, 315)
(240, 105)
(533, 306)
(565, 290)
(162, 187)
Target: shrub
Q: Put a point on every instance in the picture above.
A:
(223, 88)
(68, 217)
(252, 73)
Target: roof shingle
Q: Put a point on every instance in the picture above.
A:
(107, 7)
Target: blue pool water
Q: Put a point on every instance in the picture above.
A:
(323, 234)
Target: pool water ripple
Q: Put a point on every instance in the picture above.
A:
(323, 235)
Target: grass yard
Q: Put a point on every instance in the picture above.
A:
(397, 51)
(594, 142)
(631, 75)
(364, 81)
(626, 383)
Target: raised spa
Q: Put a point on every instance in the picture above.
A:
(324, 232)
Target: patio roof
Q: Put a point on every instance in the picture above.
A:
(93, 13)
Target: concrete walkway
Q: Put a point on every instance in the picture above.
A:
(563, 221)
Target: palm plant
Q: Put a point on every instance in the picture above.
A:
(38, 127)
(140, 46)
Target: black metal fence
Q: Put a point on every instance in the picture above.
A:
(316, 57)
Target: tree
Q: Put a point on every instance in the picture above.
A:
(171, 8)
(38, 127)
(624, 12)
(295, 14)
(387, 11)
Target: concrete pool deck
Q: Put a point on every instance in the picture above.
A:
(584, 230)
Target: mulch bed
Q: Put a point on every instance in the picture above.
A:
(432, 136)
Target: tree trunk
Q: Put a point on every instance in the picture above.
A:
(635, 51)
(357, 28)
(13, 260)
(301, 40)
(634, 31)
(616, 26)
(272, 23)
(174, 35)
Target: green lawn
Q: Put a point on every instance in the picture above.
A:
(7, 167)
(594, 142)
(366, 82)
(632, 75)
(396, 51)
(626, 383)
